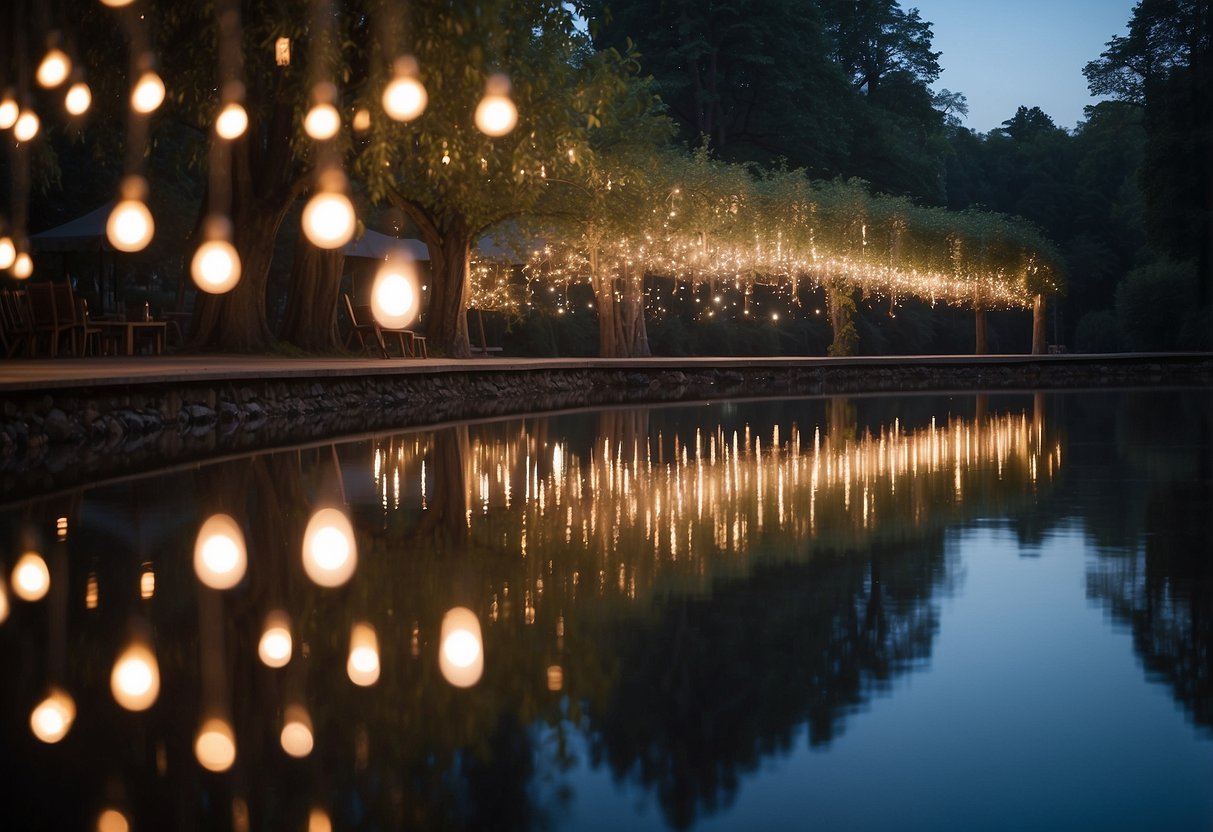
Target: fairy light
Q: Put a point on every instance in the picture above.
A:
(9, 110)
(54, 68)
(394, 292)
(23, 266)
(322, 120)
(328, 218)
(148, 93)
(52, 718)
(215, 266)
(232, 121)
(220, 556)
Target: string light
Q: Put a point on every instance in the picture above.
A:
(394, 292)
(54, 68)
(23, 266)
(322, 121)
(78, 99)
(215, 745)
(31, 578)
(220, 556)
(135, 679)
(232, 121)
(8, 252)
(328, 218)
(148, 93)
(9, 110)
(27, 125)
(52, 718)
(215, 266)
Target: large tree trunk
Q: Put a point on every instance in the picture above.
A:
(263, 183)
(1040, 337)
(311, 310)
(620, 301)
(842, 310)
(981, 347)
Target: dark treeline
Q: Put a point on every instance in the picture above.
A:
(844, 89)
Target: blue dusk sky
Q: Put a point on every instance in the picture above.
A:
(1004, 53)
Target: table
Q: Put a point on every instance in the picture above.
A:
(127, 330)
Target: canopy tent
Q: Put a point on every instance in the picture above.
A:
(375, 246)
(83, 234)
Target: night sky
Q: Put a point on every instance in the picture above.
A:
(1004, 53)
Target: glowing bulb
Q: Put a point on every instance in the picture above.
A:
(26, 126)
(135, 679)
(78, 99)
(8, 252)
(3, 602)
(328, 219)
(461, 655)
(116, 4)
(231, 122)
(275, 645)
(130, 226)
(496, 114)
(23, 266)
(363, 663)
(405, 97)
(148, 93)
(220, 556)
(52, 717)
(322, 121)
(8, 112)
(296, 736)
(394, 293)
(215, 745)
(362, 120)
(111, 820)
(318, 821)
(215, 267)
(31, 578)
(54, 68)
(329, 553)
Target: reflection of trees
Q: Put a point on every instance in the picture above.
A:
(715, 684)
(1158, 577)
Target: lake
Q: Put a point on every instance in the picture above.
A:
(913, 612)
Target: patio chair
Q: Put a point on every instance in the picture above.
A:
(47, 320)
(16, 322)
(363, 327)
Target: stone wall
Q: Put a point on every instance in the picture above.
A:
(52, 441)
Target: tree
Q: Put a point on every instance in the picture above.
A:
(1165, 65)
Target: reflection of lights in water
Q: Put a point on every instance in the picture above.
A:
(215, 745)
(363, 663)
(92, 592)
(31, 578)
(147, 582)
(555, 678)
(275, 646)
(135, 679)
(461, 655)
(52, 717)
(220, 556)
(296, 736)
(329, 553)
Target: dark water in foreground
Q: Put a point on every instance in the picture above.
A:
(961, 612)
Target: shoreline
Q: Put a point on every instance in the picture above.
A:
(64, 423)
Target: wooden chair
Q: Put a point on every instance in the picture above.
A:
(16, 322)
(47, 320)
(90, 333)
(363, 327)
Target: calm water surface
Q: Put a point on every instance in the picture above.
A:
(966, 612)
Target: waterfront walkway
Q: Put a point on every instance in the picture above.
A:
(84, 373)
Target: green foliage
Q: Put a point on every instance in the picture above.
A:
(1097, 332)
(1155, 306)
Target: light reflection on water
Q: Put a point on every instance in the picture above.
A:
(699, 603)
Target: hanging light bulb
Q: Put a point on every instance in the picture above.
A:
(215, 745)
(220, 556)
(296, 737)
(111, 820)
(148, 92)
(78, 99)
(461, 651)
(394, 292)
(329, 553)
(31, 578)
(328, 217)
(8, 252)
(275, 645)
(8, 110)
(322, 120)
(55, 66)
(405, 97)
(232, 121)
(52, 718)
(135, 679)
(23, 266)
(362, 120)
(3, 601)
(215, 265)
(130, 226)
(496, 114)
(26, 126)
(116, 4)
(318, 820)
(363, 663)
